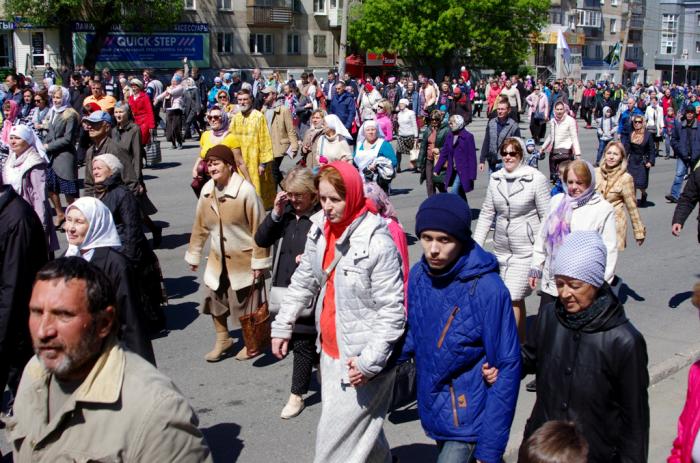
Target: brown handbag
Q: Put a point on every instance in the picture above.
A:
(255, 322)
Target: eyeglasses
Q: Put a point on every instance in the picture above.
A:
(512, 154)
(223, 97)
(213, 118)
(295, 195)
(638, 122)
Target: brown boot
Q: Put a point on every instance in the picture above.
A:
(223, 340)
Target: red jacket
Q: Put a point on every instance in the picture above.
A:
(689, 421)
(143, 115)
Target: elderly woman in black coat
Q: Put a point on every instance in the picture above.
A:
(92, 235)
(590, 361)
(289, 222)
(110, 189)
(641, 155)
(127, 135)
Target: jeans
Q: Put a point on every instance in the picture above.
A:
(456, 189)
(667, 144)
(601, 149)
(681, 171)
(455, 452)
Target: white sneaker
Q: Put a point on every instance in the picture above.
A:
(294, 406)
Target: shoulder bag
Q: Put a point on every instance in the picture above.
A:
(255, 321)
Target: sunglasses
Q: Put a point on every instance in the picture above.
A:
(638, 122)
(213, 118)
(38, 100)
(512, 154)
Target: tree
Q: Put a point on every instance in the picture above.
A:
(492, 34)
(144, 15)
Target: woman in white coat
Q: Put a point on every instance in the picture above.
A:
(580, 208)
(562, 140)
(518, 196)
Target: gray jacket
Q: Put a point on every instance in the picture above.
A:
(369, 297)
(60, 141)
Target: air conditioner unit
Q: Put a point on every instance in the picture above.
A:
(685, 52)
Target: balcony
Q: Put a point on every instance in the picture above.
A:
(270, 16)
(334, 17)
(637, 22)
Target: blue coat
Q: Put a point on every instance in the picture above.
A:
(456, 322)
(343, 106)
(460, 158)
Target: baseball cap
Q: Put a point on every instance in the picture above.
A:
(267, 90)
(98, 116)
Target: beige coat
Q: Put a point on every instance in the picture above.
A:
(235, 219)
(282, 132)
(621, 194)
(125, 410)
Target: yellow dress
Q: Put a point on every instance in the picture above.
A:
(206, 142)
(256, 146)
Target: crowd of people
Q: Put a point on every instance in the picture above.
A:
(344, 296)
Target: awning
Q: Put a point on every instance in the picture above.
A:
(630, 66)
(355, 60)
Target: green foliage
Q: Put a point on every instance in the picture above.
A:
(480, 33)
(143, 14)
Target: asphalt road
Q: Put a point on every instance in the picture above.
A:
(238, 403)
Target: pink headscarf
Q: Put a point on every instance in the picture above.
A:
(9, 121)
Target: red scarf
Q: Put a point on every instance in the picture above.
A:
(355, 206)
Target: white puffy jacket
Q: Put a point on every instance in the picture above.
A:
(369, 297)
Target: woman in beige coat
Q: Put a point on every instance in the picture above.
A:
(616, 186)
(229, 211)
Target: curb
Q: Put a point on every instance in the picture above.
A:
(668, 367)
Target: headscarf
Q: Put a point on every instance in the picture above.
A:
(16, 167)
(334, 122)
(380, 199)
(9, 120)
(101, 231)
(558, 224)
(361, 133)
(27, 134)
(356, 203)
(224, 122)
(404, 101)
(65, 100)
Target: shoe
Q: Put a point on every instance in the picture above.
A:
(244, 355)
(671, 199)
(223, 341)
(174, 146)
(531, 386)
(157, 237)
(179, 146)
(294, 406)
(644, 199)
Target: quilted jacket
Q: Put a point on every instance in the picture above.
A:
(369, 297)
(457, 321)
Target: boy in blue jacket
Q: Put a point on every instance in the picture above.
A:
(460, 316)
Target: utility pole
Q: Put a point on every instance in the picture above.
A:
(342, 49)
(626, 40)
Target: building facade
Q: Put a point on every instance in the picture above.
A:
(672, 41)
(592, 28)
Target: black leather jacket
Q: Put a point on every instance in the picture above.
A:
(595, 376)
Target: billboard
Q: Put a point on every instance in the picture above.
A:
(137, 50)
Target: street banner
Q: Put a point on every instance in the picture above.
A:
(137, 50)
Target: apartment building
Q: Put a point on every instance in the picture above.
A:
(592, 29)
(672, 41)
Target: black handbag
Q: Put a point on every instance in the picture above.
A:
(404, 385)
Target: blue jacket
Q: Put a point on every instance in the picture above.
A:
(456, 322)
(343, 106)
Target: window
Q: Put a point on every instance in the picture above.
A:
(334, 4)
(669, 34)
(613, 2)
(697, 47)
(319, 6)
(613, 26)
(38, 48)
(190, 5)
(293, 44)
(224, 5)
(5, 40)
(588, 18)
(699, 19)
(224, 42)
(319, 45)
(260, 44)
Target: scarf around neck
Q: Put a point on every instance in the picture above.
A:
(16, 167)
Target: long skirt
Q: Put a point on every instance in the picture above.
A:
(227, 301)
(351, 428)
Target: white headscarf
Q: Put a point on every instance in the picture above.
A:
(65, 101)
(361, 133)
(17, 166)
(102, 232)
(334, 122)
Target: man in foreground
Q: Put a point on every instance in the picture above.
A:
(83, 397)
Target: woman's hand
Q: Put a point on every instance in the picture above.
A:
(676, 229)
(281, 201)
(481, 166)
(640, 242)
(279, 347)
(356, 377)
(533, 282)
(489, 373)
(298, 259)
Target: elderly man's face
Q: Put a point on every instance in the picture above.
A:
(575, 295)
(67, 338)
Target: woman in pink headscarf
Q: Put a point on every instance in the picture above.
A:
(10, 113)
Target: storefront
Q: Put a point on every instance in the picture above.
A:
(7, 57)
(129, 50)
